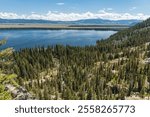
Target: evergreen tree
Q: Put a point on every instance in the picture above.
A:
(5, 76)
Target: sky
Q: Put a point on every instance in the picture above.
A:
(69, 10)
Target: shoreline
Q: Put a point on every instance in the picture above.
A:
(62, 27)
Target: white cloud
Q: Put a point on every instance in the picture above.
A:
(55, 16)
(105, 10)
(133, 8)
(60, 3)
(109, 9)
(33, 12)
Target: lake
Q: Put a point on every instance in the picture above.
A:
(32, 38)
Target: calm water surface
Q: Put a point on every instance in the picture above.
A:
(31, 38)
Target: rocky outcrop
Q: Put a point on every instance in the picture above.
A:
(19, 93)
(147, 61)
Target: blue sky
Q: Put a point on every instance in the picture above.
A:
(91, 8)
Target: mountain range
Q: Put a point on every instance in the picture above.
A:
(78, 22)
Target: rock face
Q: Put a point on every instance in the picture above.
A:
(19, 93)
(147, 61)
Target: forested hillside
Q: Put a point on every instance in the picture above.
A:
(116, 68)
(9, 88)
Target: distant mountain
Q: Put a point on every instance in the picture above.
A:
(78, 22)
(25, 21)
(107, 22)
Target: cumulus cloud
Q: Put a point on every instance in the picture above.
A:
(60, 3)
(60, 16)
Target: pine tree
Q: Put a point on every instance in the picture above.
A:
(5, 76)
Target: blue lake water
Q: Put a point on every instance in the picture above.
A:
(32, 38)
